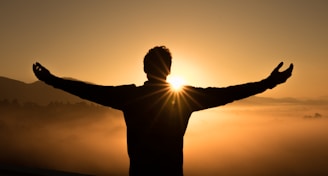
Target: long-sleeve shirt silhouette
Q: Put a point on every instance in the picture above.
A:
(156, 116)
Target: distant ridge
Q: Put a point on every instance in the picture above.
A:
(36, 92)
(25, 171)
(42, 94)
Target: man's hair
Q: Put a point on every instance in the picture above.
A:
(158, 61)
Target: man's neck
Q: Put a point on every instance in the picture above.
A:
(156, 82)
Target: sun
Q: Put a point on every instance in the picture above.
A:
(176, 82)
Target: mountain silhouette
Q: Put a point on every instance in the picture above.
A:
(42, 94)
(36, 92)
(25, 171)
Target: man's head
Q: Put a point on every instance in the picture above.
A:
(157, 63)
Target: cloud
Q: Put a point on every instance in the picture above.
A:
(79, 140)
(230, 140)
(257, 141)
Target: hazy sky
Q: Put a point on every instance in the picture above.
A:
(213, 43)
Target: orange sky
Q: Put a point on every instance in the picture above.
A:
(213, 43)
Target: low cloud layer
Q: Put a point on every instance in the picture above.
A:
(230, 140)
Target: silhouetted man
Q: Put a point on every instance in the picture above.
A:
(157, 117)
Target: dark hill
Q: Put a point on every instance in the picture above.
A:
(42, 94)
(37, 92)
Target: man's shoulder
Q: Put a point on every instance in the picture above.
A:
(127, 86)
(192, 88)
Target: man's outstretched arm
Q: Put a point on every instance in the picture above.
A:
(212, 97)
(245, 90)
(105, 95)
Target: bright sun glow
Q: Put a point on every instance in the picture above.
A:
(176, 82)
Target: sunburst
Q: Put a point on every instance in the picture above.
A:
(176, 82)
